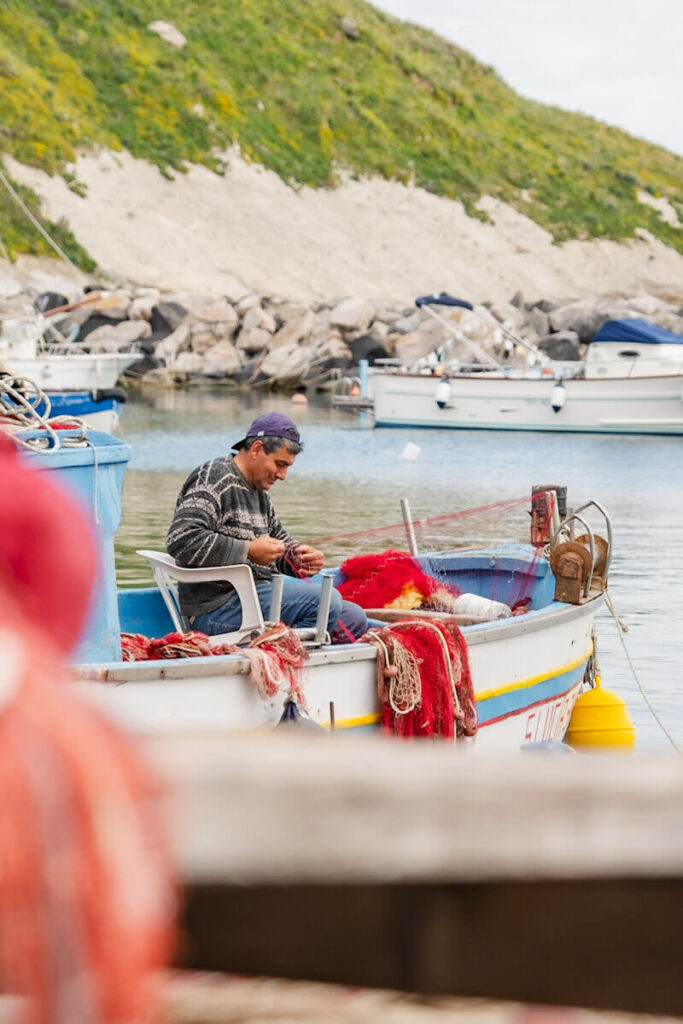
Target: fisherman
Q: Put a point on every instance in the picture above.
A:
(224, 516)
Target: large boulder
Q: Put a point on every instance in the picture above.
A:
(352, 315)
(168, 313)
(223, 360)
(174, 344)
(286, 362)
(252, 317)
(334, 348)
(189, 362)
(587, 316)
(368, 347)
(432, 334)
(407, 324)
(294, 331)
(411, 347)
(204, 337)
(141, 307)
(113, 338)
(253, 340)
(646, 305)
(562, 346)
(669, 320)
(221, 312)
(537, 321)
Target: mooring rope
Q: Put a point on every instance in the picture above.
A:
(620, 631)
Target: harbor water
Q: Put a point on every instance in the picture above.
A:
(349, 479)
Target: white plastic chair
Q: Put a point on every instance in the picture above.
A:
(166, 572)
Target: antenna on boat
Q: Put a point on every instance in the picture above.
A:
(408, 522)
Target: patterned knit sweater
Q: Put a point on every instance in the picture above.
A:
(217, 514)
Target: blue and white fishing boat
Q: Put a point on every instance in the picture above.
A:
(527, 670)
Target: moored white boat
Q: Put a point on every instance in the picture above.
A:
(631, 382)
(81, 384)
(527, 670)
(489, 401)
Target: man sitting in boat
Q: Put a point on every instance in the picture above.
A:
(224, 516)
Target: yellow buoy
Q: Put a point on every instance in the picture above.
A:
(600, 719)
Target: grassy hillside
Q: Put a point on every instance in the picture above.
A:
(302, 98)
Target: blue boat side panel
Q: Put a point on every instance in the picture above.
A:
(505, 704)
(93, 475)
(143, 611)
(79, 403)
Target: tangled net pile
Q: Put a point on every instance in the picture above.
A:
(136, 647)
(277, 656)
(391, 579)
(423, 679)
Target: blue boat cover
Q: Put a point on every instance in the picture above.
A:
(636, 331)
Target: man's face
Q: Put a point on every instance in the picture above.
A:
(266, 469)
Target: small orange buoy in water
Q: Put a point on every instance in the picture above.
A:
(355, 391)
(299, 397)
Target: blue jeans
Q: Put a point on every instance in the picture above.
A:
(300, 599)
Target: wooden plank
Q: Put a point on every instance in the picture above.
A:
(345, 809)
(413, 866)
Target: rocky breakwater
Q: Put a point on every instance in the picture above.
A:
(260, 340)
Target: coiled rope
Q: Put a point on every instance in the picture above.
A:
(20, 400)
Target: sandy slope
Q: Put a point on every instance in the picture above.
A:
(248, 231)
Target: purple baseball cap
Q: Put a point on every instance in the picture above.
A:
(271, 424)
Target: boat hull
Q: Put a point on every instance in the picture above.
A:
(527, 673)
(630, 405)
(86, 372)
(98, 413)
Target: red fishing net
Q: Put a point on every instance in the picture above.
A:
(277, 656)
(423, 679)
(377, 581)
(136, 647)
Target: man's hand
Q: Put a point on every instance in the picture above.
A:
(309, 560)
(264, 550)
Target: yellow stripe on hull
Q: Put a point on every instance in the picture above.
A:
(354, 723)
(533, 680)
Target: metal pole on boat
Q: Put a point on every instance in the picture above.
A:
(407, 519)
(363, 366)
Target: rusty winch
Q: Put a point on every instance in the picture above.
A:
(573, 567)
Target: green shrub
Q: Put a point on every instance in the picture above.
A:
(301, 98)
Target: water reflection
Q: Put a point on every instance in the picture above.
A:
(348, 480)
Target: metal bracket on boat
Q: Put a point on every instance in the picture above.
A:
(317, 635)
(276, 597)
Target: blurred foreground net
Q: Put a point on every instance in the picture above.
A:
(86, 896)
